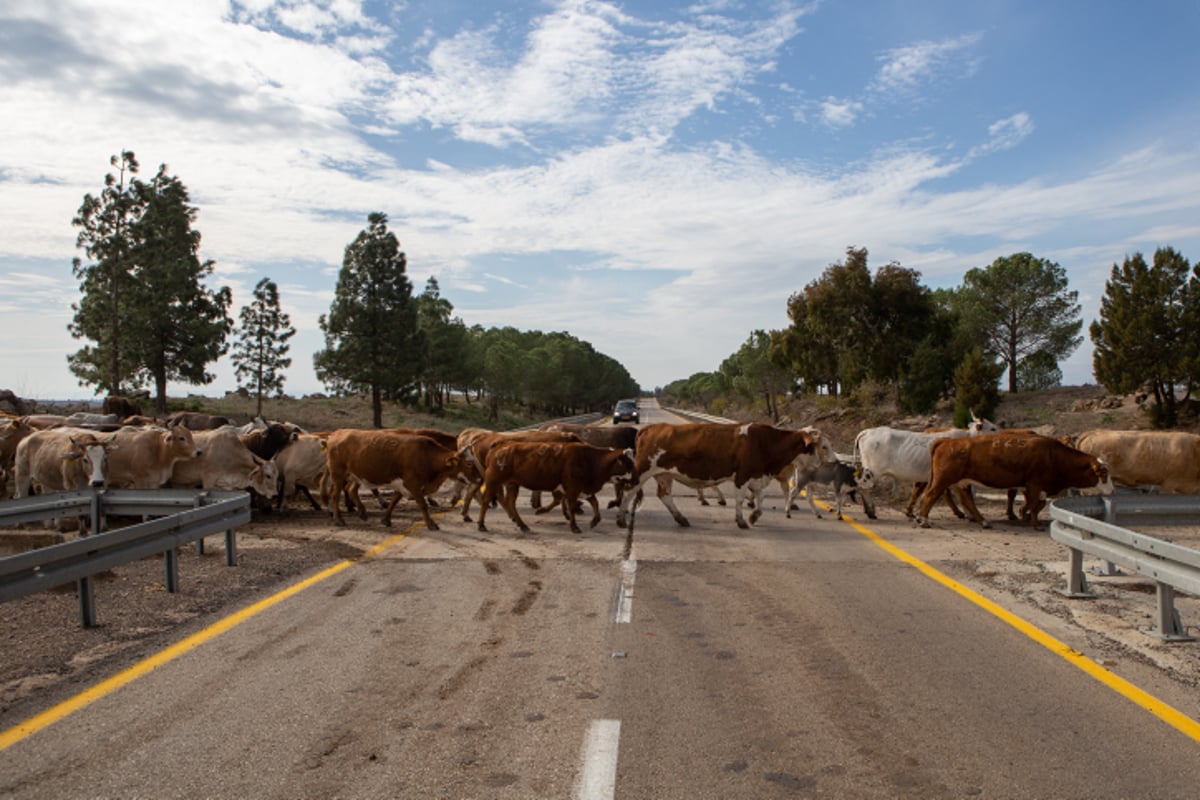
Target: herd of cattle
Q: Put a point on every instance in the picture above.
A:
(276, 460)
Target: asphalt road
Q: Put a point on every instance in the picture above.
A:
(796, 659)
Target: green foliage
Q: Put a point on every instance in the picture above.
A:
(260, 352)
(1021, 308)
(143, 301)
(1039, 371)
(445, 359)
(923, 380)
(372, 342)
(1147, 331)
(848, 327)
(753, 374)
(976, 387)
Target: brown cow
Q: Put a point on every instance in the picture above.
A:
(145, 457)
(196, 421)
(474, 444)
(575, 468)
(1042, 466)
(415, 464)
(750, 455)
(1169, 460)
(121, 406)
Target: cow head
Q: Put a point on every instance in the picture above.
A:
(1103, 477)
(981, 425)
(179, 441)
(92, 454)
(265, 477)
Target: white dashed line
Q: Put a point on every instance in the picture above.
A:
(624, 609)
(598, 775)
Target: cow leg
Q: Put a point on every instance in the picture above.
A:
(569, 500)
(1008, 509)
(508, 499)
(316, 506)
(917, 489)
(387, 513)
(664, 494)
(473, 490)
(1035, 503)
(485, 502)
(422, 504)
(933, 493)
(595, 510)
(950, 500)
(555, 498)
(739, 499)
(339, 484)
(968, 501)
(535, 501)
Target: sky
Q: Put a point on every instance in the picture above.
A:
(655, 178)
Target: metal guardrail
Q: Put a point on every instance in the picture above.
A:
(1089, 525)
(184, 516)
(696, 416)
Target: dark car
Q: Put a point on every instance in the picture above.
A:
(626, 411)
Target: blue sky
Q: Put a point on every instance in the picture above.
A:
(655, 178)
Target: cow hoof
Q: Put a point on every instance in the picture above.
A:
(923, 523)
(984, 523)
(575, 529)
(433, 526)
(743, 524)
(482, 528)
(524, 528)
(387, 523)
(720, 502)
(755, 516)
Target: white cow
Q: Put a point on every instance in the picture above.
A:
(225, 464)
(903, 456)
(301, 465)
(61, 460)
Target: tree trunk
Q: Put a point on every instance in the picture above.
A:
(376, 405)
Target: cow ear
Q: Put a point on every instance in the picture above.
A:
(629, 453)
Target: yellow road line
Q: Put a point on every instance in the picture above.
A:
(1172, 716)
(108, 686)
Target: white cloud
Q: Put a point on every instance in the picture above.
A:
(839, 113)
(905, 69)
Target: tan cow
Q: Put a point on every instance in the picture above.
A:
(414, 464)
(301, 465)
(1042, 466)
(12, 431)
(1169, 460)
(145, 457)
(61, 460)
(750, 455)
(574, 468)
(225, 463)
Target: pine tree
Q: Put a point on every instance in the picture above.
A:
(179, 326)
(260, 352)
(1146, 334)
(1021, 307)
(371, 337)
(143, 302)
(107, 228)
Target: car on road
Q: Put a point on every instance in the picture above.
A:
(625, 411)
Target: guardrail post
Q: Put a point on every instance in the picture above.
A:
(231, 547)
(87, 602)
(1110, 516)
(1170, 626)
(95, 515)
(171, 564)
(1076, 582)
(199, 501)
